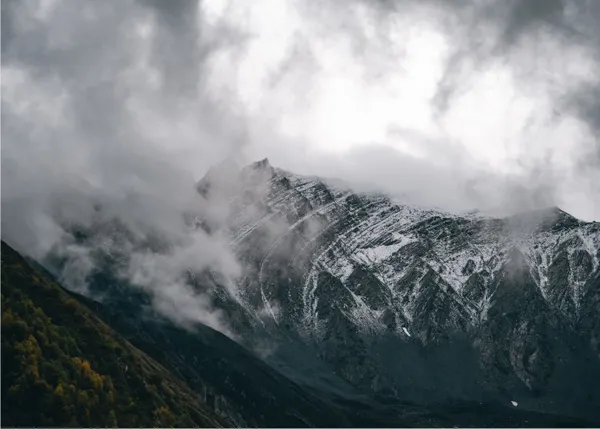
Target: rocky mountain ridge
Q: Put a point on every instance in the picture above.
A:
(354, 294)
(342, 269)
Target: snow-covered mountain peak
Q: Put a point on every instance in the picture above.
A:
(342, 231)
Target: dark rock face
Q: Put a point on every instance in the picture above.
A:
(469, 267)
(517, 335)
(369, 288)
(475, 288)
(589, 322)
(560, 288)
(437, 309)
(410, 303)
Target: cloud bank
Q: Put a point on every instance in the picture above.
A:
(456, 104)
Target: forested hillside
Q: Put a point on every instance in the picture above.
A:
(62, 366)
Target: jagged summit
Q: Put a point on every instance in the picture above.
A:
(543, 212)
(556, 219)
(257, 172)
(262, 164)
(228, 177)
(550, 219)
(219, 175)
(262, 170)
(553, 211)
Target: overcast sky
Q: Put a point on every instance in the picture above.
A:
(458, 104)
(124, 104)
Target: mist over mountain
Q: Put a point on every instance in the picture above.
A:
(358, 298)
(415, 303)
(420, 248)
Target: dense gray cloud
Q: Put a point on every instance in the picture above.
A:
(99, 107)
(550, 50)
(456, 104)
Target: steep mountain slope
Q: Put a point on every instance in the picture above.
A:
(236, 383)
(62, 366)
(470, 307)
(48, 335)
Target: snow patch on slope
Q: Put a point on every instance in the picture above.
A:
(378, 254)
